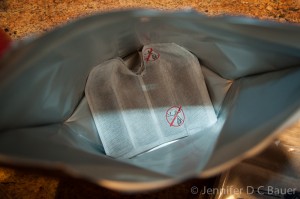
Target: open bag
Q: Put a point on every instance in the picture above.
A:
(251, 69)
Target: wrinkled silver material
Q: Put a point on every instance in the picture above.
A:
(45, 120)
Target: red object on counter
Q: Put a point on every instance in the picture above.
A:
(5, 42)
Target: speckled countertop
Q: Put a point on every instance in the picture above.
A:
(20, 18)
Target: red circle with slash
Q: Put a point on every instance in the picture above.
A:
(175, 116)
(150, 55)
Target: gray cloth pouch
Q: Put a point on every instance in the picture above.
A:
(165, 101)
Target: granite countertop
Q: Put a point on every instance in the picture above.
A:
(20, 19)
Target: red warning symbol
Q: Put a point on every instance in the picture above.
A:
(150, 55)
(175, 116)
